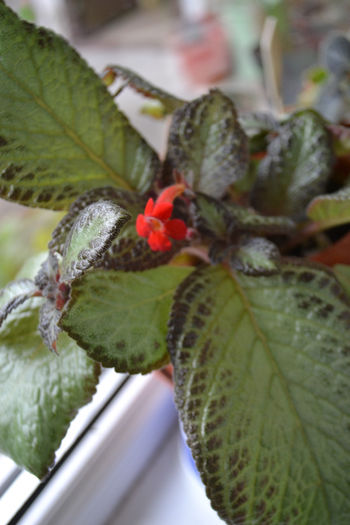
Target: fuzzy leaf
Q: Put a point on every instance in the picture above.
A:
(128, 251)
(120, 318)
(248, 220)
(131, 253)
(332, 209)
(56, 293)
(207, 145)
(214, 218)
(262, 378)
(46, 278)
(139, 84)
(211, 217)
(91, 234)
(255, 256)
(14, 294)
(60, 131)
(40, 392)
(296, 168)
(48, 328)
(124, 199)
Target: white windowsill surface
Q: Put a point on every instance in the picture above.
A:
(168, 491)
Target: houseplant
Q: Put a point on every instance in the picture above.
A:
(204, 259)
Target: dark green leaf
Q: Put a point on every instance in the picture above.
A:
(248, 220)
(40, 393)
(90, 236)
(296, 168)
(262, 376)
(211, 217)
(214, 218)
(330, 210)
(132, 253)
(120, 318)
(168, 102)
(14, 294)
(207, 145)
(60, 133)
(255, 256)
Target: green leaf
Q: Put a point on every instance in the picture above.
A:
(211, 217)
(120, 318)
(262, 377)
(14, 294)
(132, 254)
(139, 84)
(128, 251)
(342, 272)
(214, 218)
(330, 210)
(255, 256)
(207, 145)
(90, 236)
(40, 393)
(248, 220)
(296, 168)
(122, 198)
(61, 133)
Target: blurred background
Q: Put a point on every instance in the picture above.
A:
(268, 55)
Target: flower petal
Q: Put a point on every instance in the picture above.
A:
(149, 207)
(176, 229)
(159, 242)
(163, 210)
(142, 226)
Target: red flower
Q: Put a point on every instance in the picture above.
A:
(155, 224)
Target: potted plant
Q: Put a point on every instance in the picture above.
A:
(205, 259)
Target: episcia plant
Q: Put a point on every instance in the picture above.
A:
(228, 258)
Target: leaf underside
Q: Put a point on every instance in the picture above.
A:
(120, 318)
(57, 141)
(40, 392)
(262, 368)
